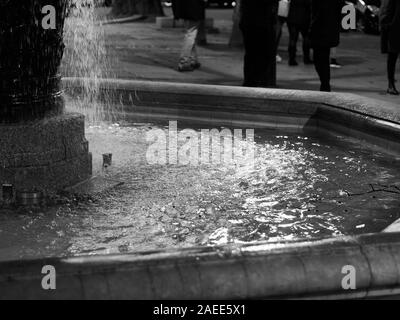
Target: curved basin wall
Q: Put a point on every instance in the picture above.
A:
(362, 118)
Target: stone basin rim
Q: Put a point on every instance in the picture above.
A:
(255, 271)
(350, 102)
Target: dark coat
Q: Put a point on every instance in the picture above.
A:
(390, 26)
(326, 20)
(300, 12)
(258, 13)
(189, 9)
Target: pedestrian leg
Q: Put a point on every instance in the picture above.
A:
(279, 26)
(269, 54)
(391, 70)
(321, 62)
(293, 37)
(334, 61)
(250, 67)
(201, 39)
(187, 60)
(280, 22)
(194, 60)
(306, 45)
(260, 57)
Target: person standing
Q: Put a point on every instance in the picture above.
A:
(326, 17)
(390, 39)
(279, 30)
(298, 21)
(258, 25)
(193, 13)
(283, 12)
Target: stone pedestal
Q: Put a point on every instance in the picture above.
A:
(44, 155)
(42, 149)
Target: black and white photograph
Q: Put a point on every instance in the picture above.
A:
(199, 157)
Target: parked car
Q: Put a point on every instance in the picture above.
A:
(219, 3)
(367, 15)
(222, 3)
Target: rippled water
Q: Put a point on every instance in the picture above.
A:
(300, 187)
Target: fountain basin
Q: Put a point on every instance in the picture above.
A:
(309, 268)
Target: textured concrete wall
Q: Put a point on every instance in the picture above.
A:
(44, 155)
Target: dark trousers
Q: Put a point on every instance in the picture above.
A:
(391, 66)
(260, 56)
(322, 66)
(294, 32)
(279, 26)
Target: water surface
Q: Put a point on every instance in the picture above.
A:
(300, 187)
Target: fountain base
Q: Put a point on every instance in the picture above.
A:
(44, 156)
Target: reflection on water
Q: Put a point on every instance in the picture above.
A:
(299, 187)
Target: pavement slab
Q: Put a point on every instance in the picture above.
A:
(141, 51)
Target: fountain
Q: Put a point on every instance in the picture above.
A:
(131, 243)
(43, 148)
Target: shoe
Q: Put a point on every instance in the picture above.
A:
(392, 88)
(334, 64)
(278, 59)
(392, 91)
(196, 65)
(202, 42)
(185, 67)
(325, 88)
(308, 61)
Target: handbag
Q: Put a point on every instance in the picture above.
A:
(283, 9)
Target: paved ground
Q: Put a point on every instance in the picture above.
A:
(141, 51)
